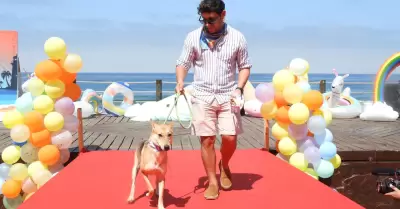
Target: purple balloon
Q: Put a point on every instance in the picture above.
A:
(265, 92)
(65, 106)
(304, 144)
(298, 132)
(312, 155)
(71, 123)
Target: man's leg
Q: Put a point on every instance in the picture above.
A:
(209, 160)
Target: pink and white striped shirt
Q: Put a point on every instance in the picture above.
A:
(215, 69)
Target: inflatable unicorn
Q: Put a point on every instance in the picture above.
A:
(339, 102)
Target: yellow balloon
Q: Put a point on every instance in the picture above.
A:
(54, 88)
(28, 196)
(311, 172)
(41, 177)
(279, 131)
(299, 66)
(72, 63)
(327, 114)
(268, 110)
(292, 93)
(18, 172)
(298, 113)
(55, 48)
(299, 161)
(35, 167)
(12, 118)
(36, 87)
(287, 146)
(11, 154)
(43, 104)
(336, 161)
(54, 121)
(282, 78)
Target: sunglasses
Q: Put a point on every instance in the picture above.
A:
(208, 20)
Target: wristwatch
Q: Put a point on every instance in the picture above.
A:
(241, 89)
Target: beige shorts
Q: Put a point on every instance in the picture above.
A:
(212, 119)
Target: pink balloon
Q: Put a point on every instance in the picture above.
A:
(65, 106)
(265, 92)
(298, 132)
(71, 123)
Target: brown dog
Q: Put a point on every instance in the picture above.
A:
(151, 159)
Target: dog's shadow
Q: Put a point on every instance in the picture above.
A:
(241, 181)
(169, 199)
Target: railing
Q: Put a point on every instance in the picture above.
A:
(159, 86)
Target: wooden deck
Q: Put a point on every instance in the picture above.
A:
(119, 133)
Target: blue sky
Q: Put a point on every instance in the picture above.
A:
(353, 36)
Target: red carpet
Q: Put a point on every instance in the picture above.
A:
(102, 180)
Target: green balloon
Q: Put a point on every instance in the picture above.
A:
(13, 203)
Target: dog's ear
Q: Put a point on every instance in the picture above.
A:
(153, 124)
(171, 123)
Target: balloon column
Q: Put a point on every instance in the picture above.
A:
(41, 127)
(301, 133)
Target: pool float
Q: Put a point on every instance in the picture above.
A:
(90, 96)
(108, 98)
(341, 104)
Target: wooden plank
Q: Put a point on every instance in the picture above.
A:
(107, 142)
(185, 143)
(96, 144)
(117, 142)
(195, 141)
(126, 144)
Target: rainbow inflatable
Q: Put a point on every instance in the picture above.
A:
(90, 96)
(383, 74)
(108, 98)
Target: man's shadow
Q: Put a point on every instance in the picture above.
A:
(241, 181)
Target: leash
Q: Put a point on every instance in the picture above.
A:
(175, 106)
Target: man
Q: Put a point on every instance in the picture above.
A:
(214, 50)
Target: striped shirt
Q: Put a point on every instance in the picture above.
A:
(215, 69)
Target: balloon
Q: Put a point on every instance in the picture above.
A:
(311, 172)
(327, 150)
(298, 160)
(24, 103)
(282, 157)
(325, 136)
(66, 77)
(281, 79)
(55, 48)
(12, 118)
(28, 196)
(268, 110)
(20, 133)
(304, 144)
(56, 168)
(35, 86)
(298, 132)
(11, 188)
(11, 154)
(299, 66)
(49, 155)
(54, 121)
(298, 113)
(34, 120)
(72, 63)
(287, 146)
(304, 86)
(316, 124)
(324, 169)
(41, 177)
(327, 114)
(36, 167)
(54, 88)
(313, 99)
(43, 104)
(71, 123)
(12, 203)
(279, 100)
(62, 139)
(65, 106)
(336, 161)
(72, 91)
(41, 138)
(292, 94)
(279, 132)
(265, 92)
(28, 186)
(29, 153)
(48, 70)
(64, 156)
(18, 171)
(282, 116)
(312, 155)
(4, 170)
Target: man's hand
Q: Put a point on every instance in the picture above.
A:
(179, 88)
(395, 194)
(237, 94)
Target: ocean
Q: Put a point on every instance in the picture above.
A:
(146, 91)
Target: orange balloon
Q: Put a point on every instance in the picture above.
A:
(73, 91)
(41, 138)
(268, 110)
(49, 154)
(34, 120)
(48, 70)
(279, 100)
(313, 99)
(11, 188)
(282, 115)
(66, 77)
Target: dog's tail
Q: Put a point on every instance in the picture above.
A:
(138, 153)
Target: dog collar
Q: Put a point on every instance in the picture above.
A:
(155, 147)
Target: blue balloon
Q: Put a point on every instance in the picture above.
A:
(327, 150)
(326, 136)
(24, 103)
(324, 169)
(20, 144)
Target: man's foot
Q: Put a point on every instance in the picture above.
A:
(211, 192)
(225, 177)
